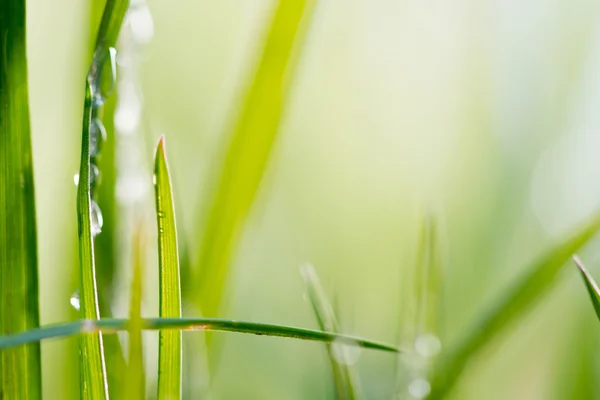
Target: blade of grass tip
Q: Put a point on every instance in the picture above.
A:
(169, 350)
(516, 300)
(590, 284)
(20, 368)
(112, 325)
(248, 152)
(136, 380)
(344, 377)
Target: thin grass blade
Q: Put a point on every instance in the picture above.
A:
(590, 284)
(113, 325)
(514, 303)
(169, 350)
(20, 368)
(344, 377)
(251, 142)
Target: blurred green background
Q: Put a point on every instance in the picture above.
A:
(483, 112)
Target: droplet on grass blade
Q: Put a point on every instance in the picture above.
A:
(97, 136)
(104, 76)
(94, 174)
(74, 300)
(97, 220)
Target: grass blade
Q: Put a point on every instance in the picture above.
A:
(169, 350)
(136, 380)
(113, 325)
(251, 142)
(344, 377)
(590, 284)
(20, 368)
(516, 300)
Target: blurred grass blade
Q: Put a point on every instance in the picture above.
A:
(516, 301)
(113, 325)
(169, 350)
(91, 355)
(590, 284)
(136, 380)
(344, 377)
(20, 368)
(246, 158)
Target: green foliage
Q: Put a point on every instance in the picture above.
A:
(590, 284)
(20, 367)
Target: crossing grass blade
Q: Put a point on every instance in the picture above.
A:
(136, 380)
(20, 368)
(344, 377)
(516, 301)
(251, 141)
(113, 325)
(169, 350)
(590, 284)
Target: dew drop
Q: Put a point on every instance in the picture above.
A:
(97, 220)
(97, 136)
(419, 388)
(345, 352)
(428, 345)
(74, 300)
(94, 174)
(104, 76)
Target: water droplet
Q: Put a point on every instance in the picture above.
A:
(345, 352)
(97, 220)
(97, 136)
(103, 76)
(142, 25)
(419, 388)
(74, 300)
(94, 173)
(428, 345)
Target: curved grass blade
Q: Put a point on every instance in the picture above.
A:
(169, 350)
(136, 380)
(113, 325)
(590, 284)
(20, 368)
(344, 377)
(516, 301)
(246, 158)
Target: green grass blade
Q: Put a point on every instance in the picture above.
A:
(344, 377)
(169, 350)
(20, 368)
(516, 301)
(91, 357)
(135, 387)
(251, 142)
(590, 284)
(113, 325)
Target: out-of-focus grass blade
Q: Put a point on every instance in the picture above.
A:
(344, 377)
(91, 356)
(20, 368)
(590, 284)
(135, 387)
(112, 325)
(249, 149)
(169, 350)
(516, 300)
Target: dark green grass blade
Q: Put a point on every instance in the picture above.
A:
(537, 279)
(169, 350)
(344, 377)
(112, 325)
(91, 356)
(136, 380)
(590, 284)
(20, 368)
(251, 142)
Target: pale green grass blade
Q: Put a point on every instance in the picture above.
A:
(135, 386)
(92, 367)
(251, 142)
(344, 377)
(517, 299)
(169, 350)
(20, 368)
(590, 284)
(113, 325)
